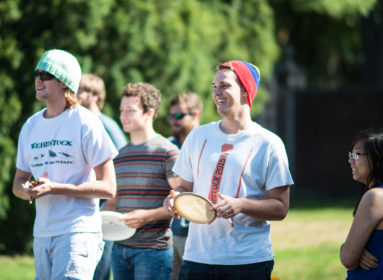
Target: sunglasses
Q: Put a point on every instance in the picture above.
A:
(44, 76)
(180, 116)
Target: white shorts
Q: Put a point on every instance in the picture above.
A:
(68, 256)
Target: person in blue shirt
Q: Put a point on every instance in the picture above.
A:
(362, 252)
(91, 95)
(185, 113)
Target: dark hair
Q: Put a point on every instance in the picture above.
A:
(149, 95)
(372, 142)
(221, 66)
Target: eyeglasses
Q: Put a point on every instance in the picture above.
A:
(44, 76)
(355, 156)
(180, 116)
(83, 89)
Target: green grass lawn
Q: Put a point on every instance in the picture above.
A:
(17, 268)
(306, 247)
(306, 244)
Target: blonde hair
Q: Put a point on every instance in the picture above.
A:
(190, 99)
(71, 99)
(94, 84)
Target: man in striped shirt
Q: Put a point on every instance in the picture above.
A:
(144, 179)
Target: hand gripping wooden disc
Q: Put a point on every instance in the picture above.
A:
(113, 229)
(194, 208)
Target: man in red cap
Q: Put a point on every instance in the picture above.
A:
(243, 169)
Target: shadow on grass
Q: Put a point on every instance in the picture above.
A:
(310, 200)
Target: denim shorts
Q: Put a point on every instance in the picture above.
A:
(68, 256)
(200, 271)
(141, 263)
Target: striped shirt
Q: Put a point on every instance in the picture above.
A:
(142, 172)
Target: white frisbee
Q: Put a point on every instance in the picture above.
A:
(194, 208)
(113, 229)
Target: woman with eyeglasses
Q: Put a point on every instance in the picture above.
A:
(362, 252)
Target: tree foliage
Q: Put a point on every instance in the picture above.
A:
(327, 38)
(174, 45)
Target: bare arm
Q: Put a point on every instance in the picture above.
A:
(110, 204)
(140, 217)
(273, 207)
(103, 187)
(21, 184)
(179, 185)
(367, 217)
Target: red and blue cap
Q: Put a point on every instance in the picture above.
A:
(249, 76)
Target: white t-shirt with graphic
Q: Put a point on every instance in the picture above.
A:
(247, 165)
(67, 148)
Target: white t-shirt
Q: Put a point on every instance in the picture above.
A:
(256, 163)
(67, 148)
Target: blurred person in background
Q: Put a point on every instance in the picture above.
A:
(91, 95)
(362, 252)
(184, 116)
(242, 169)
(144, 179)
(69, 154)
